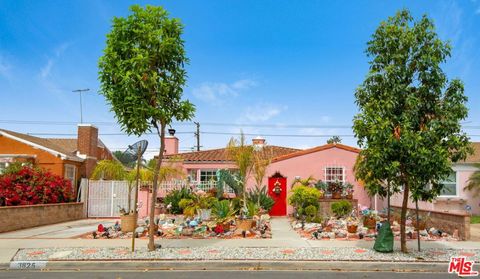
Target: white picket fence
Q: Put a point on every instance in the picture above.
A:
(106, 197)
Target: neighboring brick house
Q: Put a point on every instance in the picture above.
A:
(72, 158)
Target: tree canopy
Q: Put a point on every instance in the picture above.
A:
(408, 124)
(142, 70)
(142, 75)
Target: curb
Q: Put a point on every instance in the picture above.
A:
(358, 266)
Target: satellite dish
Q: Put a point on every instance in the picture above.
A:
(133, 152)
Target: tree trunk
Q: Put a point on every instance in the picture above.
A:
(418, 225)
(151, 232)
(403, 219)
(388, 201)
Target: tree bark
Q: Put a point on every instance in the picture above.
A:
(151, 232)
(403, 219)
(418, 225)
(388, 201)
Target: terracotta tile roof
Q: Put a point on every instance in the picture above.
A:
(221, 155)
(475, 158)
(316, 149)
(63, 146)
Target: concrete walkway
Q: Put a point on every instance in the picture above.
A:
(61, 230)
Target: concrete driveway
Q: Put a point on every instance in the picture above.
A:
(61, 230)
(474, 232)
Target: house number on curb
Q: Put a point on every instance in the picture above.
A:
(28, 264)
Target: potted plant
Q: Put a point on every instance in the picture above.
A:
(369, 218)
(205, 203)
(322, 187)
(352, 225)
(336, 189)
(247, 222)
(223, 213)
(348, 190)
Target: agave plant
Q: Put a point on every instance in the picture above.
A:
(260, 197)
(223, 211)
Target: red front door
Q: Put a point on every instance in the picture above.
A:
(277, 189)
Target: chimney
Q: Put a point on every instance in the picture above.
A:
(258, 142)
(171, 143)
(87, 147)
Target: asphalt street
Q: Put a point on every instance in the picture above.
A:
(219, 274)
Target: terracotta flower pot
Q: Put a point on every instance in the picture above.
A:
(369, 222)
(127, 222)
(336, 195)
(349, 196)
(245, 224)
(352, 228)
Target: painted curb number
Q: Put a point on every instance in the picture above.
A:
(28, 264)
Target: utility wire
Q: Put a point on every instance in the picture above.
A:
(40, 122)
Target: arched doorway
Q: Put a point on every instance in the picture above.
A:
(277, 189)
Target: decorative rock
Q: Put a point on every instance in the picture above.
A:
(193, 223)
(423, 233)
(264, 217)
(140, 230)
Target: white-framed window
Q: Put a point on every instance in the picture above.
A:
(333, 174)
(70, 171)
(208, 175)
(450, 186)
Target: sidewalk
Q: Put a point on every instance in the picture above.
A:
(285, 245)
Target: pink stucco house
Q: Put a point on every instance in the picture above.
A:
(454, 198)
(328, 162)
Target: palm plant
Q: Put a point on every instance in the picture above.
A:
(109, 170)
(243, 156)
(474, 181)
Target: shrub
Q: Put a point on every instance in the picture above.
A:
(341, 208)
(304, 196)
(174, 197)
(29, 185)
(310, 212)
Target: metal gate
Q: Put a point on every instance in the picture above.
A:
(105, 198)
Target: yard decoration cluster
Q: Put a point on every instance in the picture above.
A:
(366, 225)
(30, 185)
(198, 214)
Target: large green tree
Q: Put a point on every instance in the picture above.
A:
(142, 76)
(409, 113)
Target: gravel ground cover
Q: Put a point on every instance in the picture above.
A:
(242, 253)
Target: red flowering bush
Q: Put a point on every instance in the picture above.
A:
(31, 185)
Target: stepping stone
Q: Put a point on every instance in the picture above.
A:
(288, 251)
(360, 251)
(61, 254)
(467, 254)
(185, 252)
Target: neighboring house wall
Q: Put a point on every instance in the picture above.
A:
(314, 164)
(451, 203)
(39, 157)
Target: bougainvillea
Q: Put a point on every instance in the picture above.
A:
(33, 186)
